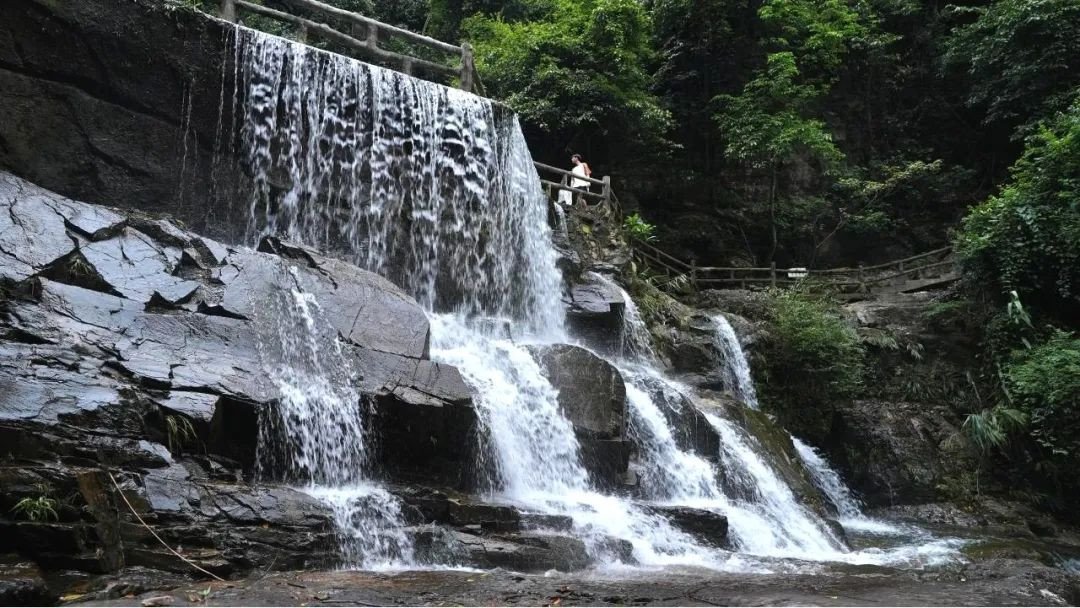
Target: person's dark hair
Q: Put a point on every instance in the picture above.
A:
(577, 156)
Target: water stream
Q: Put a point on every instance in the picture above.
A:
(737, 377)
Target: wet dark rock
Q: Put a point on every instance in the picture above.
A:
(690, 429)
(544, 521)
(606, 460)
(708, 527)
(365, 308)
(135, 267)
(490, 517)
(901, 452)
(525, 552)
(132, 348)
(591, 391)
(594, 313)
(593, 397)
(21, 583)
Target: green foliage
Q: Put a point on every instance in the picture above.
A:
(1021, 57)
(765, 125)
(1043, 383)
(576, 71)
(1027, 238)
(811, 359)
(819, 32)
(638, 228)
(992, 427)
(38, 508)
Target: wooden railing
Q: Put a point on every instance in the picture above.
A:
(605, 199)
(364, 36)
(861, 278)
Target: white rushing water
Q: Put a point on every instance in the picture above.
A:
(315, 436)
(737, 377)
(435, 189)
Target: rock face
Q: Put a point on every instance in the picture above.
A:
(120, 104)
(591, 390)
(708, 527)
(594, 313)
(131, 355)
(593, 397)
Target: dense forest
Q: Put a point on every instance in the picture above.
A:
(832, 132)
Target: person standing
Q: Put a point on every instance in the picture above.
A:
(581, 169)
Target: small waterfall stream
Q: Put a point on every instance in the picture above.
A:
(315, 436)
(737, 377)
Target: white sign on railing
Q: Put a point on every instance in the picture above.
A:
(797, 273)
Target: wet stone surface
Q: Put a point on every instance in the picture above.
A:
(1009, 583)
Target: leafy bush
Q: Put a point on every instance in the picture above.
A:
(638, 228)
(811, 359)
(1027, 238)
(1044, 383)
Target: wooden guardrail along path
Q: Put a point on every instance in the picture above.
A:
(364, 36)
(918, 271)
(605, 198)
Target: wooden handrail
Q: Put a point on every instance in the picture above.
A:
(321, 7)
(835, 277)
(558, 186)
(466, 71)
(549, 168)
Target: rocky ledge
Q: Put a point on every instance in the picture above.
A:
(131, 359)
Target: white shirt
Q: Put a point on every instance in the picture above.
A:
(579, 183)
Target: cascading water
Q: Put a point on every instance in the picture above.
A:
(315, 435)
(765, 517)
(828, 481)
(736, 367)
(435, 188)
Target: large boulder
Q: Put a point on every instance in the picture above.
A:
(594, 312)
(707, 526)
(592, 395)
(591, 390)
(901, 452)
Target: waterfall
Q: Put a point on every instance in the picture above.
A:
(315, 436)
(848, 507)
(828, 481)
(435, 189)
(429, 186)
(737, 377)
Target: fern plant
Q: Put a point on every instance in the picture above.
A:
(38, 509)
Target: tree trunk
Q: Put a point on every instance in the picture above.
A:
(772, 212)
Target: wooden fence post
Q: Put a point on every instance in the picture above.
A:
(693, 261)
(228, 10)
(607, 189)
(373, 36)
(772, 273)
(407, 66)
(862, 284)
(468, 67)
(301, 34)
